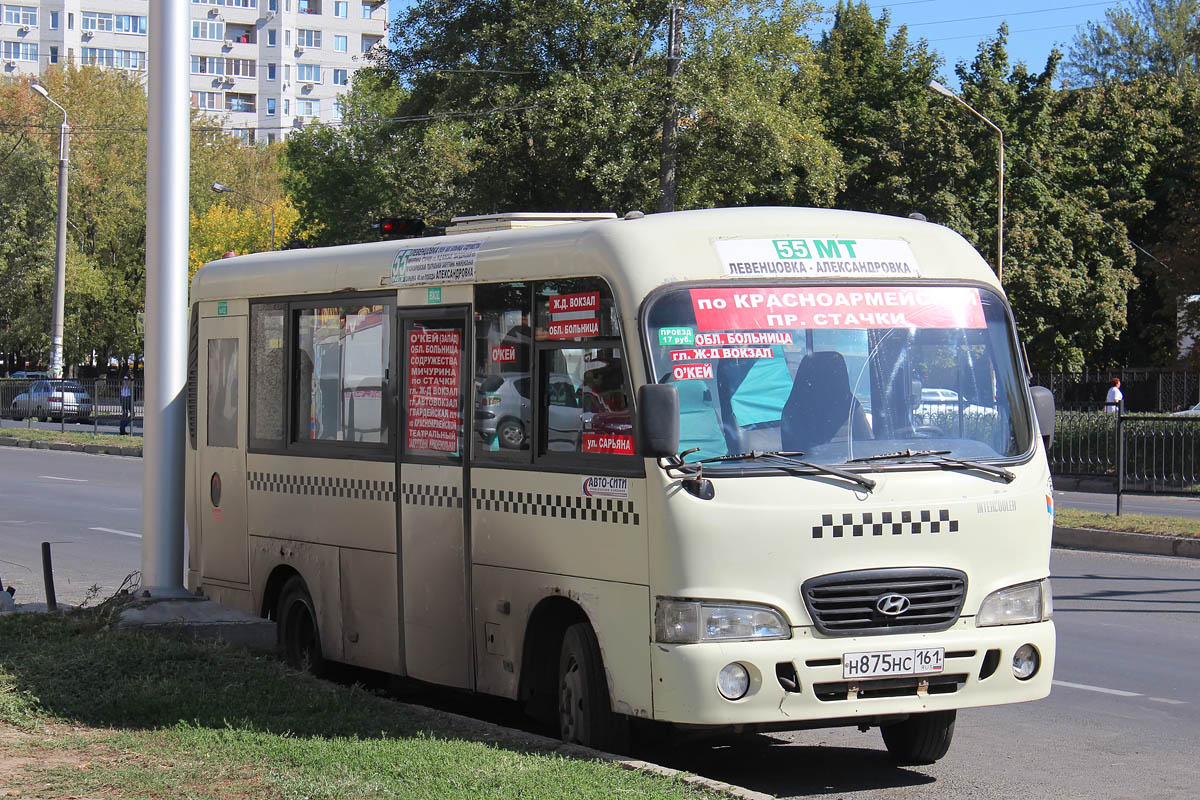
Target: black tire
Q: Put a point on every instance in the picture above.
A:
(510, 433)
(920, 739)
(39, 414)
(296, 629)
(584, 711)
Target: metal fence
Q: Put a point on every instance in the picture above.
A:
(99, 404)
(1149, 390)
(1143, 453)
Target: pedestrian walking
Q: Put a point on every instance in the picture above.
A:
(126, 405)
(1113, 402)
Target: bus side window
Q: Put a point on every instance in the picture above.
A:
(267, 374)
(503, 353)
(222, 393)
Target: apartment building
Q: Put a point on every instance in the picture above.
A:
(266, 67)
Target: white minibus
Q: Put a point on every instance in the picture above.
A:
(682, 471)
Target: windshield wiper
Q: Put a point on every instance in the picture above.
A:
(945, 461)
(789, 457)
(899, 454)
(969, 463)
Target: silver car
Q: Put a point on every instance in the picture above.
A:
(53, 399)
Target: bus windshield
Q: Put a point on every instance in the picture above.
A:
(841, 372)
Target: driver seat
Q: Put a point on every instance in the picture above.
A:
(821, 408)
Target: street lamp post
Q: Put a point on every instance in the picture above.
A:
(220, 187)
(938, 88)
(60, 250)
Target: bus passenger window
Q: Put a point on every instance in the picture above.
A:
(267, 374)
(503, 352)
(342, 356)
(222, 393)
(586, 408)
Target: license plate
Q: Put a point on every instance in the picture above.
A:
(890, 663)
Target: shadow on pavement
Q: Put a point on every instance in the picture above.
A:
(781, 767)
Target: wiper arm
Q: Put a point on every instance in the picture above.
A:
(962, 463)
(750, 456)
(899, 454)
(948, 462)
(789, 457)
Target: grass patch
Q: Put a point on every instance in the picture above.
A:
(1136, 523)
(87, 710)
(73, 437)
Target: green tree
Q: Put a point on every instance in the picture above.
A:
(1153, 37)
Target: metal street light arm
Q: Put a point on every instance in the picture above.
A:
(222, 188)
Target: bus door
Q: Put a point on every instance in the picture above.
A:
(221, 457)
(435, 551)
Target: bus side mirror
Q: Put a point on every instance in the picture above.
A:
(914, 397)
(1043, 407)
(658, 420)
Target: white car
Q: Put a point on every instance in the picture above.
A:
(939, 403)
(1194, 411)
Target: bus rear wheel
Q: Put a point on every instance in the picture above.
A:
(297, 633)
(584, 713)
(920, 739)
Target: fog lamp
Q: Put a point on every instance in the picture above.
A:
(733, 681)
(1025, 662)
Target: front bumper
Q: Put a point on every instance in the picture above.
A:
(685, 676)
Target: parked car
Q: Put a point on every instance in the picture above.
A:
(33, 376)
(940, 402)
(1194, 411)
(503, 411)
(53, 399)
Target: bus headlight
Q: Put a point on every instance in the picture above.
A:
(1014, 605)
(686, 621)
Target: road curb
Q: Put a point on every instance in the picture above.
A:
(1151, 544)
(95, 449)
(578, 751)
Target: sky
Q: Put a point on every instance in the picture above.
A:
(956, 27)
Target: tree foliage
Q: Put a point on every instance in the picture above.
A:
(1152, 37)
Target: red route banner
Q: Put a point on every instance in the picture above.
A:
(434, 419)
(743, 338)
(573, 329)
(834, 307)
(706, 353)
(692, 372)
(608, 443)
(566, 303)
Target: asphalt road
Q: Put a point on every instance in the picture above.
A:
(89, 507)
(1122, 721)
(1157, 505)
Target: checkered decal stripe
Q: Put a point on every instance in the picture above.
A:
(558, 506)
(422, 494)
(323, 486)
(891, 523)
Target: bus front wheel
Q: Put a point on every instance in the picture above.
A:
(920, 739)
(584, 714)
(297, 633)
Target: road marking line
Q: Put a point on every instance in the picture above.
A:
(56, 478)
(1101, 689)
(119, 533)
(1168, 701)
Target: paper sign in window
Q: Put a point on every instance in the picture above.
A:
(608, 443)
(574, 316)
(434, 419)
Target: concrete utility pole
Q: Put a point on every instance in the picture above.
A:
(167, 162)
(60, 249)
(671, 116)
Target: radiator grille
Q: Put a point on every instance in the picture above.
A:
(845, 603)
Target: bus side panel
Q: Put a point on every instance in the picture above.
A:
(616, 611)
(549, 522)
(319, 566)
(370, 610)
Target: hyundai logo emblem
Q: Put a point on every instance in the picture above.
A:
(892, 605)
